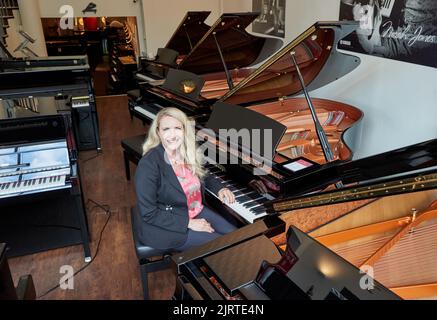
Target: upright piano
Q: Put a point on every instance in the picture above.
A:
(224, 51)
(40, 188)
(66, 81)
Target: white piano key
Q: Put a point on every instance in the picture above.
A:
(33, 185)
(143, 111)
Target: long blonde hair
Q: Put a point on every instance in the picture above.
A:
(191, 155)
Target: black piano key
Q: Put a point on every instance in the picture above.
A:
(260, 212)
(256, 203)
(251, 203)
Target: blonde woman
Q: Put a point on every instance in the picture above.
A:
(169, 183)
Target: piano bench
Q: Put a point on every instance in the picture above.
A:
(132, 151)
(145, 253)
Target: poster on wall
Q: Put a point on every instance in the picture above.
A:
(404, 30)
(271, 20)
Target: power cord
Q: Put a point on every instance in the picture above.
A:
(99, 153)
(107, 210)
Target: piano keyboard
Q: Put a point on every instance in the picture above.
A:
(149, 110)
(80, 102)
(143, 77)
(145, 112)
(387, 7)
(248, 202)
(32, 185)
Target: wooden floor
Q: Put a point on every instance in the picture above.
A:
(114, 273)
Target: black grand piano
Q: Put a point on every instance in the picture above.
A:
(188, 33)
(224, 50)
(247, 264)
(266, 101)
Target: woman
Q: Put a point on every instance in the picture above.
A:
(169, 183)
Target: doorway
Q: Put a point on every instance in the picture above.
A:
(111, 44)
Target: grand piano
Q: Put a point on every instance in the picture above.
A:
(266, 99)
(189, 31)
(225, 46)
(250, 263)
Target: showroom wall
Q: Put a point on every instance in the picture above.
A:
(399, 99)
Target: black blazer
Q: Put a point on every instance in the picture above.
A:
(162, 202)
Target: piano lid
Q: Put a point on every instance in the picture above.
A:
(239, 48)
(408, 169)
(43, 64)
(191, 29)
(316, 53)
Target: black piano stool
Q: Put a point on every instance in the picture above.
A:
(132, 151)
(145, 253)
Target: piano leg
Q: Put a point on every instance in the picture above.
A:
(83, 222)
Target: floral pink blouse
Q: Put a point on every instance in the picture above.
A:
(191, 186)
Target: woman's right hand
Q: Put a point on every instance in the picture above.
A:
(200, 225)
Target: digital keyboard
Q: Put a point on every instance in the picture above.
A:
(33, 185)
(33, 168)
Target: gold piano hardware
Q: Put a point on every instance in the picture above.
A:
(187, 86)
(417, 183)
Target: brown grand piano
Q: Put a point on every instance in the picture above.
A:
(267, 95)
(225, 49)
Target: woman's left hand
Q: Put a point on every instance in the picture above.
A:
(226, 195)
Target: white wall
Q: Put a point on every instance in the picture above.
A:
(163, 16)
(399, 100)
(108, 8)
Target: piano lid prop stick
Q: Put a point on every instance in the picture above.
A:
(319, 129)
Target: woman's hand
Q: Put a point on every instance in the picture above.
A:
(226, 195)
(259, 186)
(200, 225)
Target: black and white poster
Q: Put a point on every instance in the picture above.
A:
(404, 30)
(271, 21)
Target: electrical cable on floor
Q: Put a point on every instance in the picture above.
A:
(107, 210)
(99, 153)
